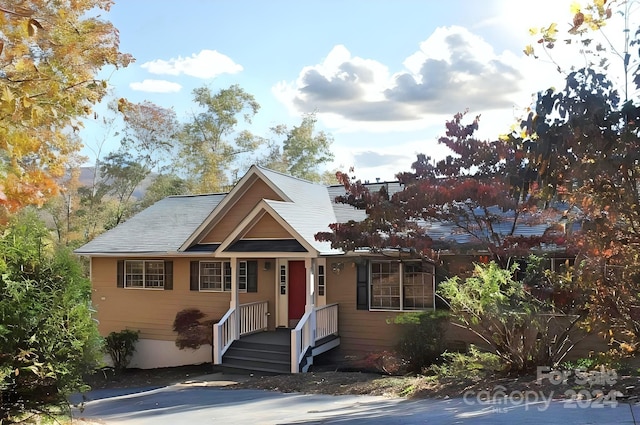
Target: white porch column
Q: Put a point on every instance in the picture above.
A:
(311, 265)
(235, 303)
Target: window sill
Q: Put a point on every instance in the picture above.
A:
(143, 288)
(218, 291)
(400, 311)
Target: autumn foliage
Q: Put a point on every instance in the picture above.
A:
(50, 54)
(483, 190)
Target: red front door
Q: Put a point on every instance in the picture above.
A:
(297, 290)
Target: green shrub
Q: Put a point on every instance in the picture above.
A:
(523, 331)
(48, 339)
(121, 346)
(421, 343)
(474, 364)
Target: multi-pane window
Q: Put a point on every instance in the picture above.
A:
(385, 285)
(215, 276)
(417, 287)
(400, 286)
(283, 280)
(242, 276)
(144, 274)
(321, 281)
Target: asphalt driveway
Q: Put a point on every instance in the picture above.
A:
(202, 404)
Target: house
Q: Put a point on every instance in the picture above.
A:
(249, 260)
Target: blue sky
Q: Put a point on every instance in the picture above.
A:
(383, 76)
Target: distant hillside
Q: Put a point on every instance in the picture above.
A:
(87, 174)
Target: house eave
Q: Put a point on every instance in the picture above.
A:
(145, 254)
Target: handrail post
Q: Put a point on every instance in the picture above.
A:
(217, 344)
(312, 327)
(295, 344)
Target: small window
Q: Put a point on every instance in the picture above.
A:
(283, 280)
(321, 281)
(242, 276)
(144, 274)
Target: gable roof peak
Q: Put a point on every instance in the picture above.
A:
(280, 173)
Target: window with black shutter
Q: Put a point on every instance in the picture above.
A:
(144, 274)
(362, 286)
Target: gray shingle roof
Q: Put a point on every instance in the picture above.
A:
(170, 223)
(311, 210)
(161, 228)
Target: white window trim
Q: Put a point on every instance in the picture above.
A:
(401, 272)
(223, 288)
(222, 276)
(322, 280)
(144, 279)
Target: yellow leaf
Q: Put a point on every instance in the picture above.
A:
(528, 50)
(533, 31)
(552, 30)
(7, 96)
(575, 8)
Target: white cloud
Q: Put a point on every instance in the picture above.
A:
(156, 86)
(453, 70)
(206, 64)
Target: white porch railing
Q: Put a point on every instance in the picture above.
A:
(224, 333)
(252, 318)
(326, 321)
(302, 338)
(316, 324)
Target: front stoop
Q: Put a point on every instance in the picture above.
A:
(258, 356)
(270, 352)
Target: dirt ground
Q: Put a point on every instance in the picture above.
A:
(594, 385)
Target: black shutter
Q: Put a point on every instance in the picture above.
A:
(252, 276)
(362, 286)
(120, 274)
(194, 284)
(168, 275)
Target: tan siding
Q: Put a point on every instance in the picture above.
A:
(268, 228)
(152, 311)
(223, 228)
(360, 330)
(363, 332)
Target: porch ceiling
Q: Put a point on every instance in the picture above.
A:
(266, 245)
